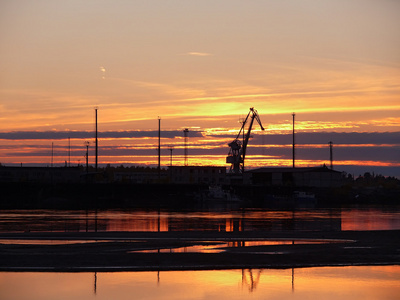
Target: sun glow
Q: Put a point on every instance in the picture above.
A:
(205, 78)
(205, 147)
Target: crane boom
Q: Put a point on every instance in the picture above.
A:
(237, 153)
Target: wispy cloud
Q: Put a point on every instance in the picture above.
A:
(199, 54)
(59, 135)
(103, 72)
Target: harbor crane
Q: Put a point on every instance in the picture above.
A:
(237, 153)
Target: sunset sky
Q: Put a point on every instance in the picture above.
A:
(201, 65)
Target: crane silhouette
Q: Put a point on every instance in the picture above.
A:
(237, 153)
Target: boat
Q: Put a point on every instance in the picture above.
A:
(216, 193)
(299, 195)
(304, 199)
(296, 199)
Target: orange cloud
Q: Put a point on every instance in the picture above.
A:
(198, 54)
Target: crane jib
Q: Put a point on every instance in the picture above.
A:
(237, 152)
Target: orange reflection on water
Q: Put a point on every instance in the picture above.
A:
(369, 219)
(346, 283)
(139, 221)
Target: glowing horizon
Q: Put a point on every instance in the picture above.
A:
(200, 65)
(205, 148)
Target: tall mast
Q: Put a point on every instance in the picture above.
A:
(87, 156)
(294, 145)
(69, 151)
(170, 159)
(159, 147)
(97, 149)
(185, 132)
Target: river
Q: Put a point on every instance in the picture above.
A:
(348, 282)
(244, 219)
(362, 282)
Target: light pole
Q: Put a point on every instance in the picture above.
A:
(87, 156)
(185, 133)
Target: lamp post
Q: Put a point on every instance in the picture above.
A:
(87, 156)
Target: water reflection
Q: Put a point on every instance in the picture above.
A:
(370, 219)
(222, 246)
(376, 282)
(95, 283)
(367, 218)
(251, 280)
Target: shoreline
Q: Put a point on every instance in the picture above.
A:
(124, 251)
(117, 269)
(25, 195)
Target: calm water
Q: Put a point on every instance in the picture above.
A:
(361, 282)
(366, 218)
(313, 283)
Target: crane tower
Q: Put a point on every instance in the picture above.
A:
(237, 153)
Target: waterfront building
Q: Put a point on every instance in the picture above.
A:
(140, 177)
(40, 174)
(298, 177)
(197, 175)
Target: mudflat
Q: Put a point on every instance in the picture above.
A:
(192, 250)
